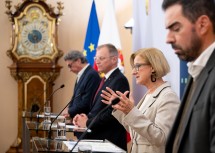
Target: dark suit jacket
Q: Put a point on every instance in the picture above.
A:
(87, 84)
(105, 125)
(199, 133)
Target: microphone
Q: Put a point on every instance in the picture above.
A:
(43, 92)
(62, 86)
(35, 107)
(49, 132)
(115, 101)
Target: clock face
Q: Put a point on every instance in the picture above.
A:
(35, 34)
(35, 38)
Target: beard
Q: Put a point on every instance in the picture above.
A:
(191, 52)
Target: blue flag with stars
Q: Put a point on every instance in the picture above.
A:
(92, 36)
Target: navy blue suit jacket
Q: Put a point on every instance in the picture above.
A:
(105, 125)
(87, 84)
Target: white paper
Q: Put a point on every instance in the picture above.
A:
(97, 145)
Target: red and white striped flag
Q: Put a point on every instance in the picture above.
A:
(109, 32)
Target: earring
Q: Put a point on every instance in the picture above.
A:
(153, 77)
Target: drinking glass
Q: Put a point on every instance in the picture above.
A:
(61, 128)
(47, 114)
(59, 145)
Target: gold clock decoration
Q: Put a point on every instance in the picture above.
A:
(34, 35)
(34, 52)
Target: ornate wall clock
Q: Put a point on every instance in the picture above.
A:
(35, 30)
(34, 52)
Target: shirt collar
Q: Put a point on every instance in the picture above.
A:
(81, 72)
(107, 75)
(195, 67)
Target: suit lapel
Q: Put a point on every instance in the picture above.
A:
(199, 87)
(193, 101)
(84, 74)
(81, 80)
(148, 104)
(106, 83)
(141, 102)
(152, 98)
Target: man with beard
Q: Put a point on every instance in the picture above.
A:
(191, 32)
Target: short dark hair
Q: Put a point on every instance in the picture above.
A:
(74, 55)
(193, 9)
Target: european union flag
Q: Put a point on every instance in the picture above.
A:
(92, 36)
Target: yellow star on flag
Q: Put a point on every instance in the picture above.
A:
(91, 47)
(85, 53)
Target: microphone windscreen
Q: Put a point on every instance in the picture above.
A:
(34, 108)
(115, 101)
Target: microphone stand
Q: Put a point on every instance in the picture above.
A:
(48, 101)
(115, 101)
(35, 106)
(62, 86)
(49, 132)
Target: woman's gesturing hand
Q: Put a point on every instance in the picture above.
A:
(125, 104)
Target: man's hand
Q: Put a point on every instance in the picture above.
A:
(80, 120)
(65, 113)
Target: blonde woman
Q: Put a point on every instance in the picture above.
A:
(150, 121)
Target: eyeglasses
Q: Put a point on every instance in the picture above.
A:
(70, 64)
(101, 58)
(138, 65)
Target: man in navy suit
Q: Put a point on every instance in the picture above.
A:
(191, 32)
(105, 125)
(86, 83)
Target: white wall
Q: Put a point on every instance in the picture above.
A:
(149, 31)
(159, 41)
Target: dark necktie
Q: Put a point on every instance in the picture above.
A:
(100, 86)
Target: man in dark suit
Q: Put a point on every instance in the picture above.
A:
(86, 83)
(191, 32)
(105, 125)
